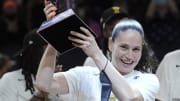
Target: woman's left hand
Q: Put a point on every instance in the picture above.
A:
(86, 41)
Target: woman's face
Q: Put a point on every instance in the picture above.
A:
(126, 50)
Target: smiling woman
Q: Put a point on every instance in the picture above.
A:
(130, 58)
(127, 50)
(128, 37)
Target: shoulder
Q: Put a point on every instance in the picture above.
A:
(89, 62)
(84, 69)
(137, 76)
(14, 75)
(172, 55)
(81, 72)
(148, 85)
(149, 77)
(10, 81)
(171, 59)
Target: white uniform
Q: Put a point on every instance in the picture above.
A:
(168, 73)
(89, 62)
(84, 84)
(12, 87)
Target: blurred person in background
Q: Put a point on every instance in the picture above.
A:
(18, 85)
(161, 25)
(12, 27)
(161, 8)
(35, 14)
(168, 73)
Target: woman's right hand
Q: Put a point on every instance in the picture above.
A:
(50, 9)
(86, 41)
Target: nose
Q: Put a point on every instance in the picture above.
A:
(129, 55)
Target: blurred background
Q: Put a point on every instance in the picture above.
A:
(160, 19)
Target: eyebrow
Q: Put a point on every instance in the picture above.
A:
(124, 43)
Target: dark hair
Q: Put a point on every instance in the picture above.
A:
(148, 61)
(30, 56)
(105, 39)
(110, 15)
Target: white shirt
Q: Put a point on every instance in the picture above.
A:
(12, 87)
(146, 83)
(84, 84)
(168, 73)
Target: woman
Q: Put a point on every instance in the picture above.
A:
(129, 57)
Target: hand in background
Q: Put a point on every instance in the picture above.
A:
(50, 9)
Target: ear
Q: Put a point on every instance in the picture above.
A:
(110, 43)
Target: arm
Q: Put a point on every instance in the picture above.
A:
(121, 88)
(45, 80)
(39, 96)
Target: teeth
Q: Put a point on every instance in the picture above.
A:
(127, 62)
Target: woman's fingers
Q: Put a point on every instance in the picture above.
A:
(50, 10)
(79, 35)
(86, 31)
(76, 40)
(86, 35)
(82, 40)
(85, 41)
(82, 46)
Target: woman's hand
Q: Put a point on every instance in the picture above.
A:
(50, 9)
(85, 41)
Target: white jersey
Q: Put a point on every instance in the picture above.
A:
(12, 87)
(168, 73)
(84, 84)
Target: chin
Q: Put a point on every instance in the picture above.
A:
(126, 70)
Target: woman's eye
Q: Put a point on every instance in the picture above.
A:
(136, 49)
(123, 47)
